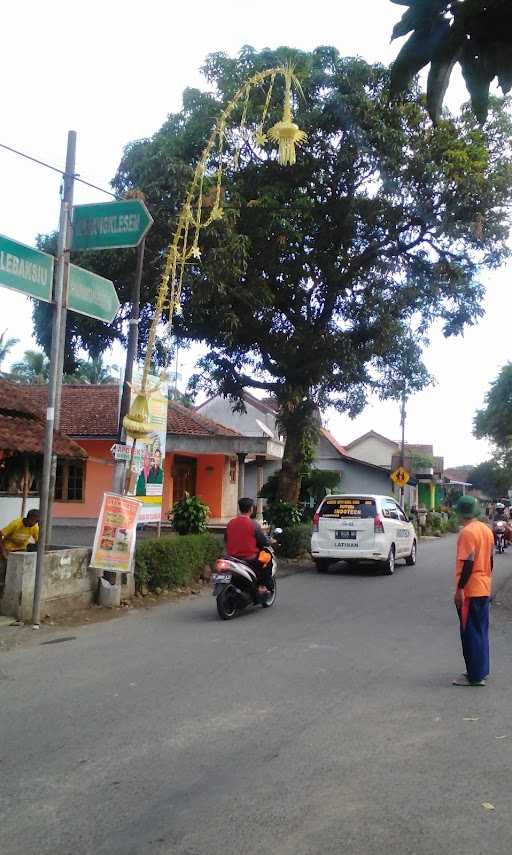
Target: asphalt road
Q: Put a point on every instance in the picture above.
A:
(326, 725)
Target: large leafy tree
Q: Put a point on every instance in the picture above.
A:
(308, 287)
(494, 420)
(475, 33)
(492, 477)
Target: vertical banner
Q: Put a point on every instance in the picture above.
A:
(114, 541)
(146, 481)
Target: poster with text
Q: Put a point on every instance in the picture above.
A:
(114, 541)
(146, 479)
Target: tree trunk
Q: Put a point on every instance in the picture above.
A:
(299, 420)
(290, 476)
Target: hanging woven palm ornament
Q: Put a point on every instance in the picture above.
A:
(136, 423)
(286, 132)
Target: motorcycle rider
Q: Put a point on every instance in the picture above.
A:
(501, 515)
(244, 538)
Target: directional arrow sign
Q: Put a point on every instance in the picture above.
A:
(92, 295)
(26, 269)
(110, 225)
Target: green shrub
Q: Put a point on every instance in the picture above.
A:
(295, 541)
(282, 515)
(173, 562)
(189, 515)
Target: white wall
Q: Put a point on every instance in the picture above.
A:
(220, 410)
(373, 450)
(10, 507)
(229, 492)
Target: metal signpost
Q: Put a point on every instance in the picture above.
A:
(92, 295)
(55, 381)
(26, 269)
(110, 225)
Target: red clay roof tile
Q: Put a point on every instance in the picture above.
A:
(92, 411)
(22, 427)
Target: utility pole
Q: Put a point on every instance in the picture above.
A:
(402, 446)
(62, 349)
(55, 380)
(131, 356)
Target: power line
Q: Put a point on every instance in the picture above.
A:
(56, 169)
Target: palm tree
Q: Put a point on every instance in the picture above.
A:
(33, 368)
(6, 345)
(92, 372)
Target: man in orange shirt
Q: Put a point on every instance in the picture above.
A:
(474, 564)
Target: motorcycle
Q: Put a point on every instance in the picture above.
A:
(236, 584)
(499, 536)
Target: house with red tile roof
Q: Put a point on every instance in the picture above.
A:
(202, 457)
(22, 429)
(261, 416)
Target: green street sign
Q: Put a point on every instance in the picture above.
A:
(92, 295)
(26, 269)
(110, 225)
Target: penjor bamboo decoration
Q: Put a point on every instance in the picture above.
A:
(184, 245)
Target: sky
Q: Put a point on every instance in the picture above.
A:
(113, 70)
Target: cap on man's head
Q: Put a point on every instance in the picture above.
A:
(467, 507)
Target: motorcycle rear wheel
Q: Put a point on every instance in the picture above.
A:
(226, 604)
(270, 598)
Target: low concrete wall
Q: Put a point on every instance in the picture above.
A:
(69, 583)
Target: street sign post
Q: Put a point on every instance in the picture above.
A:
(110, 225)
(400, 476)
(26, 269)
(92, 295)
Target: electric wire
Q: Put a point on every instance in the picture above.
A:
(57, 169)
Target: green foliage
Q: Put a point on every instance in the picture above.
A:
(315, 484)
(494, 420)
(189, 515)
(92, 371)
(6, 345)
(34, 367)
(295, 541)
(477, 35)
(173, 562)
(420, 462)
(310, 283)
(282, 514)
(493, 479)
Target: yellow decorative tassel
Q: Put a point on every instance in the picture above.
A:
(136, 423)
(286, 132)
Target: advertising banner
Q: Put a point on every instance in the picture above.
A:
(114, 541)
(146, 481)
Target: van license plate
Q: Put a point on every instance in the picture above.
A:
(346, 535)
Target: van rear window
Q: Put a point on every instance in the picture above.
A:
(348, 506)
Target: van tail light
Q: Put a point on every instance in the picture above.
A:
(378, 525)
(316, 520)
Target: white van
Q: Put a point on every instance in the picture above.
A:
(363, 527)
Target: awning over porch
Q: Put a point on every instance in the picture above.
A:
(259, 446)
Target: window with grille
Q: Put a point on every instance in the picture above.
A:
(70, 481)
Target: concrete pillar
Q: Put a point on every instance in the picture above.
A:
(432, 496)
(241, 474)
(260, 462)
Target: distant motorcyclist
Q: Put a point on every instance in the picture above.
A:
(244, 539)
(501, 515)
